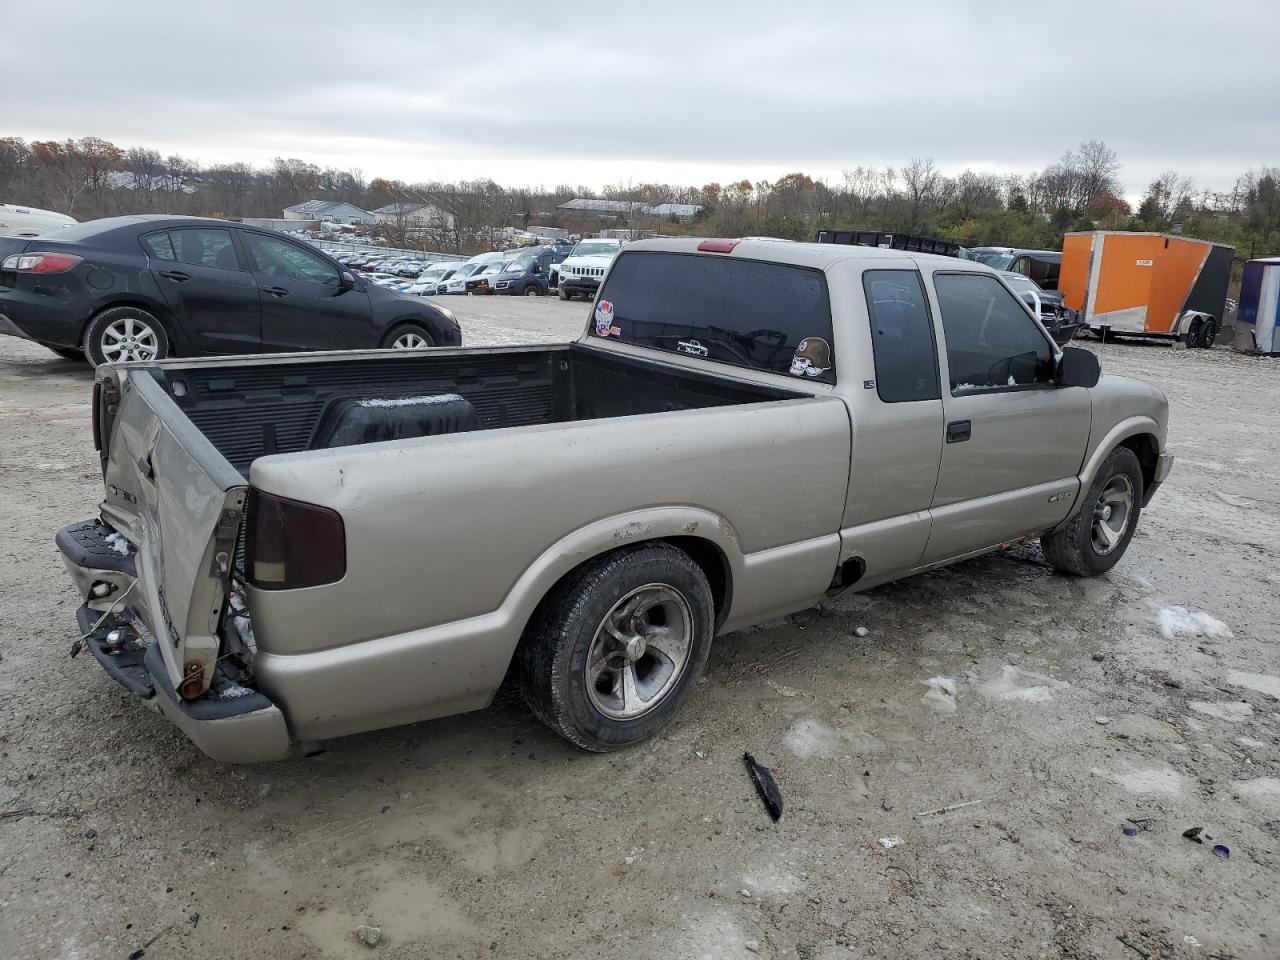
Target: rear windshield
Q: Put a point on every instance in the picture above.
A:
(750, 313)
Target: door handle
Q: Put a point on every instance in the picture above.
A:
(276, 291)
(958, 431)
(177, 276)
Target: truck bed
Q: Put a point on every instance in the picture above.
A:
(255, 409)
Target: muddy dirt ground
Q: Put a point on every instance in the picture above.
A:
(1146, 699)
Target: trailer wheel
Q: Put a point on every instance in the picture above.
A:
(611, 655)
(1193, 335)
(1209, 334)
(1096, 536)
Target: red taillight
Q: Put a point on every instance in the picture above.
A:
(718, 246)
(41, 262)
(293, 544)
(97, 412)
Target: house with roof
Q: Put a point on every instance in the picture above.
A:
(333, 211)
(413, 214)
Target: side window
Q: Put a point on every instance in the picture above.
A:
(992, 342)
(901, 336)
(204, 248)
(158, 246)
(284, 261)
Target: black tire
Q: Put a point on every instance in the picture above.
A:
(1194, 333)
(101, 343)
(551, 663)
(532, 290)
(1073, 547)
(1209, 334)
(405, 330)
(68, 353)
(564, 294)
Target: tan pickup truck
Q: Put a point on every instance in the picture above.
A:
(298, 547)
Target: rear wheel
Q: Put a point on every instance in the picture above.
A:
(121, 334)
(612, 654)
(1209, 334)
(1194, 334)
(408, 336)
(1096, 536)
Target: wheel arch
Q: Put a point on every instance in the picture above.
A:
(1140, 434)
(708, 540)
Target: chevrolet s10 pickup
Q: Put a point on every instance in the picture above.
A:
(293, 548)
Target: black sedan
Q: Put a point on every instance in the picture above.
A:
(148, 287)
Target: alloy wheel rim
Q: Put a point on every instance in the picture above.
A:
(129, 339)
(1111, 514)
(639, 652)
(410, 341)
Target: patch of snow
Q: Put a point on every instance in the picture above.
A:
(941, 695)
(1179, 620)
(1250, 742)
(890, 842)
(408, 401)
(1157, 780)
(1228, 710)
(1261, 682)
(1012, 382)
(233, 691)
(965, 387)
(118, 543)
(1016, 684)
(781, 689)
(810, 738)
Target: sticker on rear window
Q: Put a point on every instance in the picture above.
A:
(604, 318)
(812, 358)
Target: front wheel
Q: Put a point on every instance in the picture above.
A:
(122, 334)
(533, 290)
(1096, 536)
(613, 653)
(408, 336)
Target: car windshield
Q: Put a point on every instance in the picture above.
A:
(999, 261)
(519, 266)
(594, 249)
(467, 270)
(493, 268)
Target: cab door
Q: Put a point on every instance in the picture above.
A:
(1013, 440)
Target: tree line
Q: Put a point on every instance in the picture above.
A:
(91, 177)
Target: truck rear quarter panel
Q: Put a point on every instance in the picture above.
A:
(453, 541)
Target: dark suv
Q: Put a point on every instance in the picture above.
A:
(528, 272)
(147, 287)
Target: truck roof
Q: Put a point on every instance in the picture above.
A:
(817, 255)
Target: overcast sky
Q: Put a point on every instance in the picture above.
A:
(601, 93)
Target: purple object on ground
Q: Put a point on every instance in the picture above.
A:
(1221, 850)
(1129, 831)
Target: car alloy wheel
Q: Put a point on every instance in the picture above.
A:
(531, 290)
(639, 652)
(129, 338)
(1111, 514)
(409, 340)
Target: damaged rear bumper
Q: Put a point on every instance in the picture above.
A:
(229, 723)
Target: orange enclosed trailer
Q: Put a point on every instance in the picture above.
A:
(1146, 284)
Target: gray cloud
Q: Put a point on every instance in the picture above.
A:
(684, 92)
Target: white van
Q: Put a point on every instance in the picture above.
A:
(30, 221)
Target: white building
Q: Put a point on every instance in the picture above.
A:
(335, 211)
(414, 215)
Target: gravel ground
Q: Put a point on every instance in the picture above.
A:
(1146, 699)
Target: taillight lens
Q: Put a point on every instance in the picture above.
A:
(292, 544)
(40, 262)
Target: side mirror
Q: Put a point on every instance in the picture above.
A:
(537, 268)
(1078, 368)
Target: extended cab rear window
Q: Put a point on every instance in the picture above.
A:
(749, 313)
